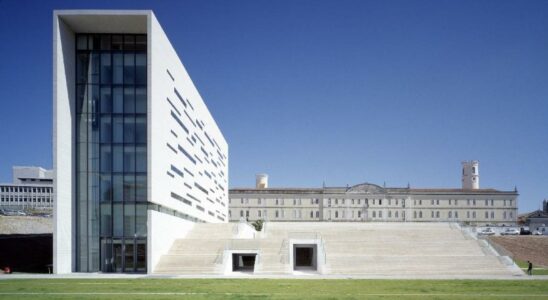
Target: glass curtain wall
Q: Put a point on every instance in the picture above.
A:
(111, 136)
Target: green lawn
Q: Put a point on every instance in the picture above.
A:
(270, 289)
(537, 270)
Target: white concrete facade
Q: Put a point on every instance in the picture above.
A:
(187, 155)
(161, 234)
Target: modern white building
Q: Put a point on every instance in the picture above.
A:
(31, 189)
(138, 158)
(373, 203)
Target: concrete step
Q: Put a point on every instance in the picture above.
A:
(388, 248)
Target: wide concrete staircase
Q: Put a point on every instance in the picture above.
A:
(391, 249)
(197, 253)
(407, 249)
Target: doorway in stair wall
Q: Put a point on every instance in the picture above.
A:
(240, 262)
(305, 257)
(243, 262)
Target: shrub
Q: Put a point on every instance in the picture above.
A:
(258, 225)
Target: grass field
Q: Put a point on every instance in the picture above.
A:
(270, 289)
(537, 270)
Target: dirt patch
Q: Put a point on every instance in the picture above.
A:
(533, 248)
(25, 225)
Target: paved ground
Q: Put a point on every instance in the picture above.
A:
(528, 247)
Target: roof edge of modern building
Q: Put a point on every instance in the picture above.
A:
(80, 12)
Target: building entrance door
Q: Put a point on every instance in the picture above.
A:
(118, 253)
(123, 255)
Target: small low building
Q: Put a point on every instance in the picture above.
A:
(31, 189)
(535, 219)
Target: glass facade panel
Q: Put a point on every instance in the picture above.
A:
(141, 100)
(105, 42)
(117, 188)
(95, 65)
(82, 65)
(106, 68)
(106, 100)
(129, 159)
(94, 42)
(141, 43)
(117, 265)
(93, 155)
(129, 129)
(81, 42)
(106, 158)
(118, 100)
(141, 129)
(141, 68)
(141, 256)
(81, 99)
(141, 188)
(118, 158)
(118, 68)
(129, 68)
(117, 41)
(141, 220)
(106, 219)
(117, 129)
(117, 217)
(129, 100)
(106, 251)
(106, 187)
(141, 158)
(129, 42)
(106, 129)
(129, 188)
(111, 136)
(129, 256)
(94, 97)
(129, 220)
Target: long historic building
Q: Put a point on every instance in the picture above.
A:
(369, 202)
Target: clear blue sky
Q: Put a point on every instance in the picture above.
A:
(336, 91)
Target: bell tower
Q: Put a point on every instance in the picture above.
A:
(470, 175)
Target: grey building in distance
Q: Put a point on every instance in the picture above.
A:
(31, 188)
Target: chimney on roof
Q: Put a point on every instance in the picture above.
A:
(261, 181)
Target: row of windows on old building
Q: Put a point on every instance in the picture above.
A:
(297, 214)
(396, 202)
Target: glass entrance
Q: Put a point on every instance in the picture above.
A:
(107, 259)
(123, 255)
(117, 266)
